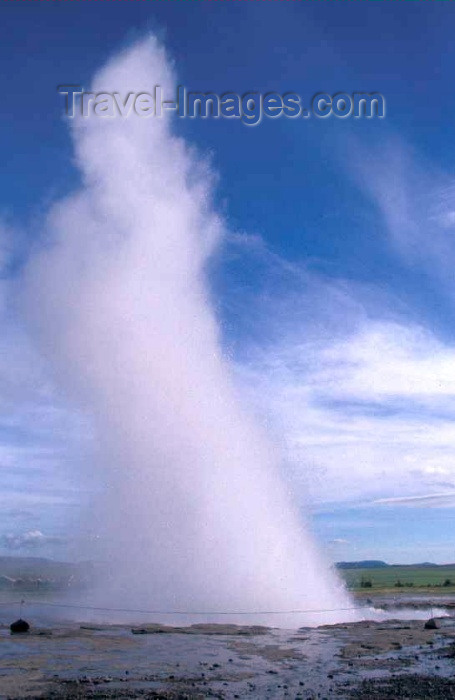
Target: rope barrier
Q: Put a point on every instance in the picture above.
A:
(76, 606)
(182, 612)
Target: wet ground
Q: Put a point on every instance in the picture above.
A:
(389, 660)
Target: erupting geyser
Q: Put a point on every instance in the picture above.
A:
(194, 515)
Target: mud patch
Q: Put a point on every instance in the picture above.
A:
(410, 686)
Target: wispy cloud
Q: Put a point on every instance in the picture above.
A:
(416, 201)
(431, 500)
(7, 243)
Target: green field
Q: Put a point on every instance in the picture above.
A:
(401, 578)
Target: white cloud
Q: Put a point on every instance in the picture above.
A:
(364, 414)
(338, 541)
(32, 539)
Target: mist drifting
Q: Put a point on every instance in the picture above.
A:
(193, 514)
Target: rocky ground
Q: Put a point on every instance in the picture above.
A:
(387, 660)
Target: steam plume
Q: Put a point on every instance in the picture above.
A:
(194, 515)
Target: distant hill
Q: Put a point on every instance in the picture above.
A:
(378, 564)
(365, 564)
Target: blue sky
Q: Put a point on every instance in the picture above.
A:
(334, 289)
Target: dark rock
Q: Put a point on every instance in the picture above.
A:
(19, 627)
(431, 624)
